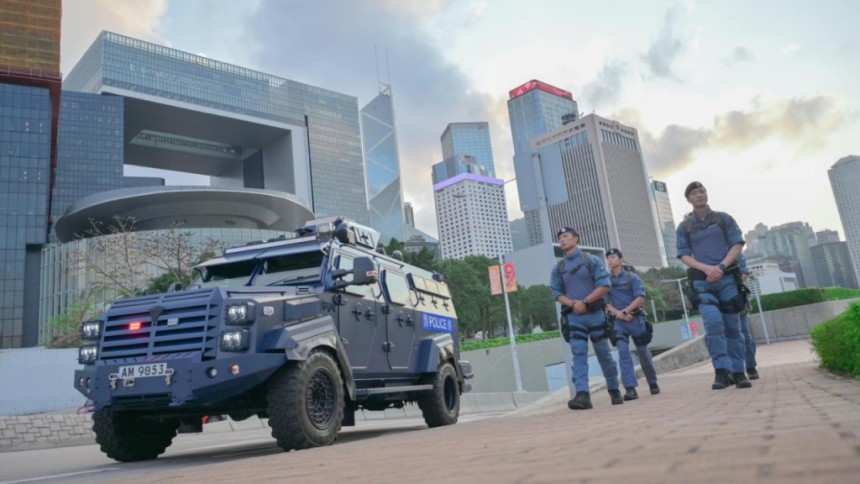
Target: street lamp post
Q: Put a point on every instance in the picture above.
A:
(757, 288)
(512, 336)
(681, 292)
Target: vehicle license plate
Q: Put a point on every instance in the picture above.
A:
(143, 371)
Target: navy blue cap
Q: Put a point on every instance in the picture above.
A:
(614, 251)
(567, 229)
(692, 186)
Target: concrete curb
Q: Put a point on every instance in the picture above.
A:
(41, 431)
(684, 355)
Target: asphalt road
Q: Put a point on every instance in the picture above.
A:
(87, 464)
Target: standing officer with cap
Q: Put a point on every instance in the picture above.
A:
(579, 282)
(626, 296)
(709, 244)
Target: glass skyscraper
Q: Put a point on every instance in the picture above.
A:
(384, 190)
(29, 100)
(666, 222)
(456, 165)
(844, 180)
(833, 265)
(534, 109)
(243, 128)
(472, 139)
(90, 148)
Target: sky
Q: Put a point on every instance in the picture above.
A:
(757, 100)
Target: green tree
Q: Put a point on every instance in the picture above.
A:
(424, 258)
(64, 327)
(540, 307)
(671, 297)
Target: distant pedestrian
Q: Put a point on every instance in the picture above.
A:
(626, 296)
(709, 244)
(579, 282)
(749, 342)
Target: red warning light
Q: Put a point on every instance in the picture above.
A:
(134, 326)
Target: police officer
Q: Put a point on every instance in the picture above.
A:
(709, 244)
(579, 282)
(749, 342)
(626, 296)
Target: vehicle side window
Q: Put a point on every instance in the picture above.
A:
(398, 290)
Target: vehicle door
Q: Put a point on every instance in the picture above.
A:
(434, 311)
(361, 326)
(399, 319)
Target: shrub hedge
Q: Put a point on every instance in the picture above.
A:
(485, 344)
(837, 342)
(802, 297)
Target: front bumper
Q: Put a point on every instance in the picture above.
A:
(190, 381)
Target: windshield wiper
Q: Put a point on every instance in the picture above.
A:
(292, 279)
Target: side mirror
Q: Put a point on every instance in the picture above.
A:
(364, 271)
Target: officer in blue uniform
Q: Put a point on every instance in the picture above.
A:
(626, 296)
(749, 342)
(709, 244)
(579, 283)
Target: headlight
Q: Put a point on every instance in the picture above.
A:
(87, 355)
(91, 330)
(241, 313)
(235, 340)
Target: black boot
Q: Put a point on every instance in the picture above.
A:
(741, 381)
(752, 374)
(721, 380)
(615, 397)
(582, 401)
(655, 389)
(630, 394)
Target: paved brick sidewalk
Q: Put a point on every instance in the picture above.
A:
(797, 424)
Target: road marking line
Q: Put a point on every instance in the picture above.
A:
(58, 476)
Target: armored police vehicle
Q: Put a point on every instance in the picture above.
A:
(304, 331)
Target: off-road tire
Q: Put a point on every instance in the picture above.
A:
(126, 437)
(305, 403)
(441, 406)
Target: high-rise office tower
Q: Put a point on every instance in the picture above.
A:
(666, 222)
(456, 165)
(89, 149)
(273, 149)
(472, 217)
(382, 161)
(844, 180)
(833, 265)
(600, 185)
(29, 108)
(240, 127)
(471, 139)
(534, 109)
(408, 214)
(791, 240)
(826, 236)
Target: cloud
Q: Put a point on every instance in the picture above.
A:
(330, 44)
(802, 123)
(791, 48)
(739, 54)
(83, 20)
(674, 148)
(606, 88)
(669, 44)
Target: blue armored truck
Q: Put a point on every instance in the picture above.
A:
(304, 331)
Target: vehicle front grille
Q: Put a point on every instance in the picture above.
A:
(187, 321)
